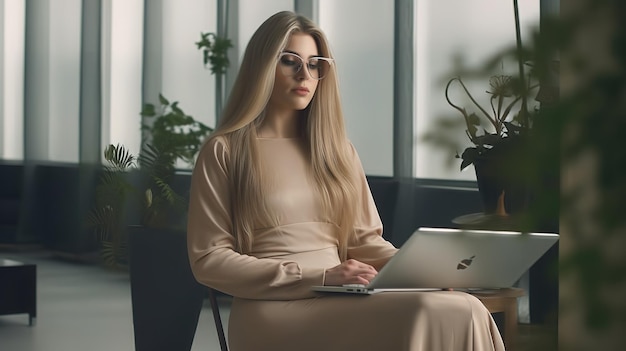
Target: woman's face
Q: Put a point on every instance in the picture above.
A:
(294, 91)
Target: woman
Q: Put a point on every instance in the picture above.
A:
(280, 203)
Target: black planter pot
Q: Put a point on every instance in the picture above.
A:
(495, 175)
(490, 184)
(166, 298)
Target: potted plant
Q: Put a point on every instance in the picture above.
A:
(163, 288)
(140, 215)
(140, 218)
(500, 140)
(141, 190)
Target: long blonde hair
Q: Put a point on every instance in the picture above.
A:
(331, 155)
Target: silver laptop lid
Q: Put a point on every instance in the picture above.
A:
(456, 258)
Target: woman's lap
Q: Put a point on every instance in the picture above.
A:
(385, 321)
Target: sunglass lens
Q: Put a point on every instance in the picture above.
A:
(318, 68)
(291, 64)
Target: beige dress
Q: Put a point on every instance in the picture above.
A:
(274, 307)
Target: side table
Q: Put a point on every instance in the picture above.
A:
(480, 220)
(505, 301)
(18, 288)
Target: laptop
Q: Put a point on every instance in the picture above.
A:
(441, 258)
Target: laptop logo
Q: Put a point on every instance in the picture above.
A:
(465, 263)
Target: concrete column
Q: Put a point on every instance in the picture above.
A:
(36, 80)
(233, 53)
(307, 8)
(403, 89)
(90, 83)
(152, 83)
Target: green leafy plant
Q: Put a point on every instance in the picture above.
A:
(172, 136)
(140, 189)
(215, 52)
(499, 134)
(171, 131)
(506, 128)
(215, 56)
(108, 215)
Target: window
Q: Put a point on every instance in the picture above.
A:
(444, 29)
(12, 79)
(360, 33)
(122, 42)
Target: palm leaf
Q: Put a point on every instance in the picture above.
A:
(119, 157)
(114, 256)
(168, 193)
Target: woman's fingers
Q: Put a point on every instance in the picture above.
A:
(350, 272)
(352, 268)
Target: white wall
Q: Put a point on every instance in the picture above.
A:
(64, 80)
(252, 13)
(474, 30)
(361, 37)
(184, 77)
(54, 79)
(12, 79)
(122, 31)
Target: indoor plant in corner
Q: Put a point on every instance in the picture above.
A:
(140, 206)
(500, 147)
(140, 218)
(166, 298)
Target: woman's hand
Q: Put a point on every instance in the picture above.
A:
(350, 272)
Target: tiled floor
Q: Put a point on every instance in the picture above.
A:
(82, 307)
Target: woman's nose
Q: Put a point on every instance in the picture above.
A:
(303, 74)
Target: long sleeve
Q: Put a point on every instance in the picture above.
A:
(369, 246)
(212, 254)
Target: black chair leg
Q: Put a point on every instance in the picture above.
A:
(218, 320)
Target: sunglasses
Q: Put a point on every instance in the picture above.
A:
(317, 67)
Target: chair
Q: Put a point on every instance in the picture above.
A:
(218, 319)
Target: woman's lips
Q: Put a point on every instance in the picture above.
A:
(301, 91)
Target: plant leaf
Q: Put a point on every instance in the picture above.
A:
(163, 101)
